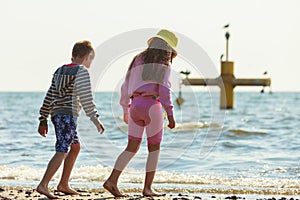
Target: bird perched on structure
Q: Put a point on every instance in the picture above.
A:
(226, 26)
(221, 57)
(186, 73)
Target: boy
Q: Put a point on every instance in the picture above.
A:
(70, 89)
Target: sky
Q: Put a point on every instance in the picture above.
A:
(38, 36)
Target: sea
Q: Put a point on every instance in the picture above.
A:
(252, 149)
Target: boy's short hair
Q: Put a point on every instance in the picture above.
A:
(82, 48)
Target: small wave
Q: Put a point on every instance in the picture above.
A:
(231, 145)
(88, 174)
(189, 126)
(247, 133)
(25, 155)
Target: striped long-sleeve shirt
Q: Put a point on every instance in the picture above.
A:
(70, 90)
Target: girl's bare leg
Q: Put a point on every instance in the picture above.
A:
(151, 165)
(111, 184)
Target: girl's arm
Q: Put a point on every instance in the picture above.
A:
(125, 98)
(165, 98)
(164, 91)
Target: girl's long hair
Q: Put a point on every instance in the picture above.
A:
(157, 58)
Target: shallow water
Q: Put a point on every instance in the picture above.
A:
(254, 147)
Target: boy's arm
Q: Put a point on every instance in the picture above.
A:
(86, 97)
(45, 109)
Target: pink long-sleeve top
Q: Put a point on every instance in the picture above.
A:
(134, 86)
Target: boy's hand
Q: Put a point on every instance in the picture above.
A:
(172, 123)
(100, 128)
(125, 118)
(43, 130)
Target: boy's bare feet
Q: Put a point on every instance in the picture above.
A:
(44, 191)
(151, 193)
(113, 189)
(67, 190)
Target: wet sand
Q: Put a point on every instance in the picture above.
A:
(10, 193)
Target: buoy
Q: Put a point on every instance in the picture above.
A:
(179, 99)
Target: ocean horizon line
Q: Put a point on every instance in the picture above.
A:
(200, 91)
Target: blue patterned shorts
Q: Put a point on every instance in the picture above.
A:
(65, 130)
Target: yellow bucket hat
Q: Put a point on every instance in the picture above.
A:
(169, 37)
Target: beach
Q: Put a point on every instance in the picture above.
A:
(30, 193)
(9, 193)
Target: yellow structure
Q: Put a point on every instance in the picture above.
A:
(227, 81)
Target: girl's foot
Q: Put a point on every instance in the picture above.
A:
(113, 189)
(151, 193)
(44, 191)
(67, 190)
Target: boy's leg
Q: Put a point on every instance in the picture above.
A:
(151, 166)
(53, 166)
(121, 162)
(63, 185)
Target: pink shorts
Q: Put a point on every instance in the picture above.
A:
(145, 113)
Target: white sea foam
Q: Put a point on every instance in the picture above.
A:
(99, 173)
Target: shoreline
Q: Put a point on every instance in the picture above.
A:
(19, 192)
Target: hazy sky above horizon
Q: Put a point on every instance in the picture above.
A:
(37, 36)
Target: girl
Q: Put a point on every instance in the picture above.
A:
(145, 91)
